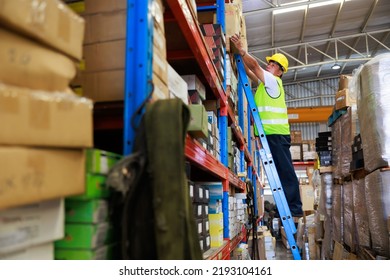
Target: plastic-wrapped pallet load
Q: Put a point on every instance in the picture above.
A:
(374, 112)
(348, 216)
(377, 192)
(336, 149)
(337, 213)
(325, 208)
(360, 214)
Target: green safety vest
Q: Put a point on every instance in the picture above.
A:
(273, 111)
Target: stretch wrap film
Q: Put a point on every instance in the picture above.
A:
(325, 209)
(337, 213)
(348, 216)
(374, 111)
(360, 214)
(377, 191)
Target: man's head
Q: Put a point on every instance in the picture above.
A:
(277, 64)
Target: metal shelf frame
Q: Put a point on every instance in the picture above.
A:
(138, 66)
(139, 86)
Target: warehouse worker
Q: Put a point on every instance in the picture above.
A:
(270, 102)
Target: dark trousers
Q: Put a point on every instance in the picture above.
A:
(280, 149)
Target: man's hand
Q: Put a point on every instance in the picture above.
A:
(236, 39)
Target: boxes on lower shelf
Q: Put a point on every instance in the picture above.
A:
(105, 252)
(31, 225)
(85, 236)
(89, 211)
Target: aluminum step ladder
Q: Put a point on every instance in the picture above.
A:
(269, 165)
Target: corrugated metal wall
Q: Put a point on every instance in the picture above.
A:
(311, 94)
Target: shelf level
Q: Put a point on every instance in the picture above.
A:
(195, 40)
(223, 252)
(204, 160)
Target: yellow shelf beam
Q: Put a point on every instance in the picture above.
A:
(309, 114)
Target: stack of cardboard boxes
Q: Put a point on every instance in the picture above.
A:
(44, 127)
(88, 228)
(105, 50)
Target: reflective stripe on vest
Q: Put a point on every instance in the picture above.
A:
(273, 111)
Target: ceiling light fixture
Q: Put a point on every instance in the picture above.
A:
(286, 9)
(336, 66)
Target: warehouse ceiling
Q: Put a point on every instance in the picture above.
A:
(317, 34)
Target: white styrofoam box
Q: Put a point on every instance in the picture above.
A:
(176, 85)
(31, 225)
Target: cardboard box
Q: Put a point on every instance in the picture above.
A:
(46, 118)
(93, 6)
(307, 197)
(51, 22)
(105, 252)
(95, 188)
(85, 236)
(160, 89)
(30, 175)
(195, 85)
(177, 86)
(31, 225)
(198, 126)
(89, 211)
(344, 81)
(160, 65)
(105, 26)
(26, 63)
(105, 56)
(105, 85)
(296, 136)
(43, 251)
(100, 162)
(343, 99)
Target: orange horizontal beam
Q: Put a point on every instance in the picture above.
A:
(309, 114)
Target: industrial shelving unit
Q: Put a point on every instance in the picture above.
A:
(138, 75)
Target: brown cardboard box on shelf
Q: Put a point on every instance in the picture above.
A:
(51, 22)
(38, 118)
(105, 85)
(93, 6)
(26, 63)
(105, 56)
(30, 175)
(107, 26)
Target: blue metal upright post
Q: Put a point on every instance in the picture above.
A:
(138, 69)
(269, 165)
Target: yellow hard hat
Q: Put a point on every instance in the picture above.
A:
(279, 58)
